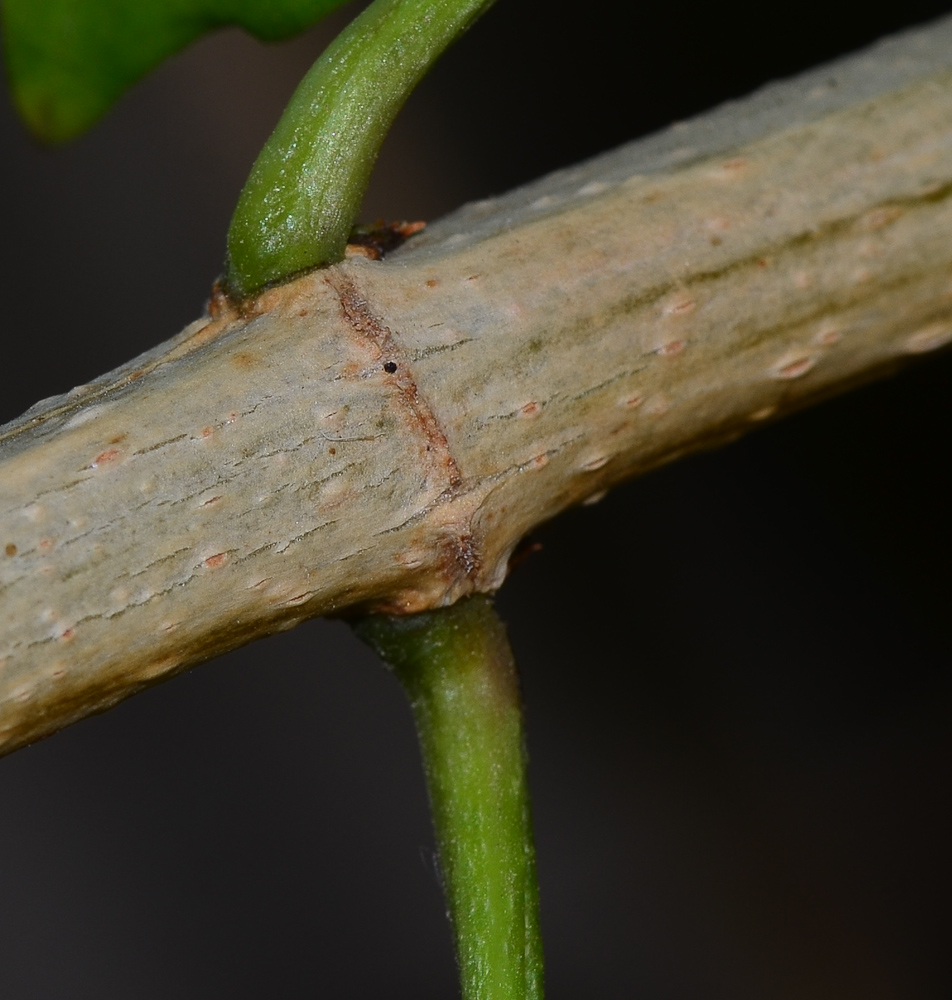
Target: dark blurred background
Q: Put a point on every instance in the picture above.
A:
(736, 669)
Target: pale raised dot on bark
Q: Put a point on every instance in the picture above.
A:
(593, 188)
(411, 559)
(826, 336)
(658, 405)
(679, 305)
(791, 367)
(803, 280)
(85, 416)
(594, 462)
(731, 170)
(632, 401)
(34, 512)
(929, 338)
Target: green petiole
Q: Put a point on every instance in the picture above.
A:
(305, 188)
(457, 669)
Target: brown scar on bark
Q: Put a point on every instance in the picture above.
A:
(365, 324)
(461, 558)
(224, 306)
(219, 303)
(467, 558)
(381, 238)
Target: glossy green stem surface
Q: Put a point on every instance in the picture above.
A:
(306, 186)
(458, 670)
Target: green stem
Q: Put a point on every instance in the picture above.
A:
(458, 670)
(305, 188)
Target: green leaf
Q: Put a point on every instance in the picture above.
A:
(69, 60)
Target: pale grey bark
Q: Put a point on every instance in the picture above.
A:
(382, 434)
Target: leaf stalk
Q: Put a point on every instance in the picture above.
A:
(458, 671)
(304, 191)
